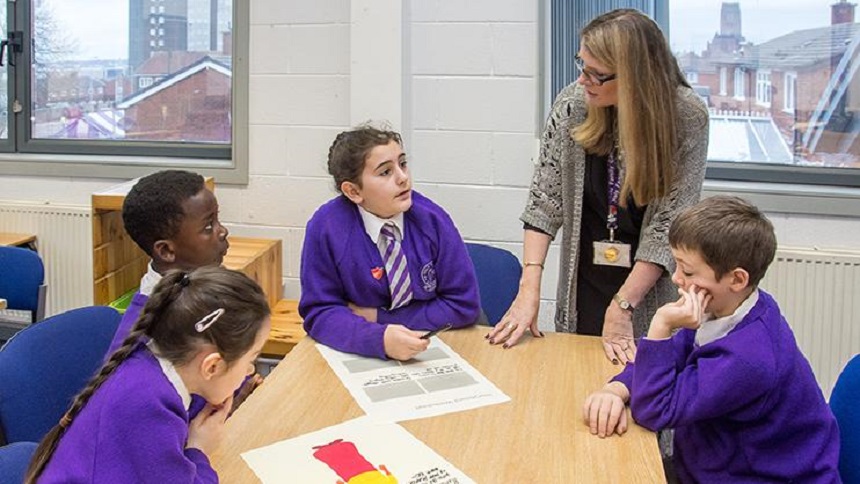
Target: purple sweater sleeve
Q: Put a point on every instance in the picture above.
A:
(723, 379)
(457, 300)
(156, 453)
(323, 305)
(126, 324)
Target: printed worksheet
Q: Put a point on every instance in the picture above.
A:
(359, 450)
(436, 382)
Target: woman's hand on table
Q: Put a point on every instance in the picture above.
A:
(618, 341)
(520, 317)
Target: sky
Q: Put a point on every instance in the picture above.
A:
(694, 22)
(99, 27)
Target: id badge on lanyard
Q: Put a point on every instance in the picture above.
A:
(610, 252)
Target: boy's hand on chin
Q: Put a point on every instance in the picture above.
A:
(687, 312)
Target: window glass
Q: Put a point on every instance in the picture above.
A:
(136, 71)
(779, 76)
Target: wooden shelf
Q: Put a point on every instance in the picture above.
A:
(287, 329)
(259, 259)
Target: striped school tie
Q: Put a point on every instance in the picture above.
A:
(395, 266)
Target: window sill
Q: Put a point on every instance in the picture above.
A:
(791, 198)
(107, 166)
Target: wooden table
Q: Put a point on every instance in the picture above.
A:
(537, 437)
(18, 240)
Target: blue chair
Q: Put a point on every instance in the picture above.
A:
(498, 274)
(45, 365)
(14, 460)
(844, 402)
(22, 285)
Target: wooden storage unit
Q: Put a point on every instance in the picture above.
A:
(259, 259)
(287, 328)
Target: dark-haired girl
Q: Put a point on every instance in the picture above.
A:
(199, 333)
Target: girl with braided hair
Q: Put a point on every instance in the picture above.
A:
(200, 333)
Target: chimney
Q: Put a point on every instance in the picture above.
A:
(842, 12)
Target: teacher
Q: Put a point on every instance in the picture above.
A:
(622, 153)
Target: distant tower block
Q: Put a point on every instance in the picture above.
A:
(730, 19)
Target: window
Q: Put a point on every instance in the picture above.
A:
(800, 120)
(762, 88)
(85, 99)
(739, 87)
(790, 90)
(803, 58)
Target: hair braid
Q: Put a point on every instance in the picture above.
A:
(155, 306)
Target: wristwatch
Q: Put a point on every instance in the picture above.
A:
(623, 303)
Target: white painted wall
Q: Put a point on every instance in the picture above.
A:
(462, 84)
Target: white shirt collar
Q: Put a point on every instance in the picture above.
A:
(373, 224)
(715, 329)
(172, 375)
(149, 280)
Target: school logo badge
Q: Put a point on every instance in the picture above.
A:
(428, 277)
(377, 273)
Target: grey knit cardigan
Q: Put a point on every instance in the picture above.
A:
(555, 199)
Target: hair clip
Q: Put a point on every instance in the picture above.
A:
(208, 320)
(186, 279)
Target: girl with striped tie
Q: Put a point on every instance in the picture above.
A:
(382, 264)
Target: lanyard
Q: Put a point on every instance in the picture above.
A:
(614, 189)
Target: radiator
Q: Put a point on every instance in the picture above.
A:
(817, 291)
(64, 241)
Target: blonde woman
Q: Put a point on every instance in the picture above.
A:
(623, 152)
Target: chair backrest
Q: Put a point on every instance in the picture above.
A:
(498, 274)
(14, 459)
(844, 403)
(45, 365)
(22, 281)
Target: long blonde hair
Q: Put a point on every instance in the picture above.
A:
(645, 120)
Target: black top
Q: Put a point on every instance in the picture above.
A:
(596, 284)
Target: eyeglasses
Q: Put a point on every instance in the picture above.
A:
(592, 77)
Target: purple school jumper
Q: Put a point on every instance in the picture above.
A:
(339, 262)
(133, 429)
(745, 407)
(127, 322)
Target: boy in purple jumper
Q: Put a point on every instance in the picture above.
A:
(382, 264)
(199, 333)
(731, 381)
(173, 217)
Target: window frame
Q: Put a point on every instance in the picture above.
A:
(740, 75)
(789, 86)
(122, 159)
(763, 88)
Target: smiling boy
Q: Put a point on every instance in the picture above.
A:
(731, 381)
